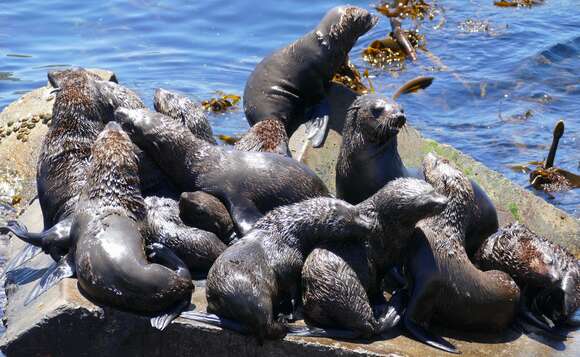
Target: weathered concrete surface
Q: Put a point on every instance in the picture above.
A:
(18, 158)
(63, 322)
(512, 202)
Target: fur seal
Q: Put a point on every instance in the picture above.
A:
(290, 82)
(196, 247)
(108, 255)
(249, 184)
(548, 275)
(369, 155)
(268, 135)
(446, 286)
(183, 109)
(204, 211)
(255, 275)
(341, 281)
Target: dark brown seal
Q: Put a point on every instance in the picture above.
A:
(257, 274)
(204, 211)
(341, 281)
(186, 111)
(249, 184)
(197, 248)
(447, 288)
(291, 81)
(268, 135)
(548, 274)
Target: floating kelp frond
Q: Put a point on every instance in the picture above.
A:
(221, 104)
(554, 179)
(350, 76)
(414, 9)
(413, 86)
(518, 3)
(229, 139)
(524, 168)
(387, 52)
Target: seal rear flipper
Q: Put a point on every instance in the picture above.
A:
(308, 331)
(427, 338)
(523, 325)
(394, 311)
(317, 127)
(163, 320)
(65, 268)
(244, 213)
(215, 320)
(26, 254)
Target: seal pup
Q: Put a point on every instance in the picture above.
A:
(83, 104)
(548, 274)
(268, 135)
(204, 211)
(183, 109)
(249, 184)
(446, 286)
(109, 257)
(291, 83)
(341, 281)
(196, 247)
(369, 154)
(249, 281)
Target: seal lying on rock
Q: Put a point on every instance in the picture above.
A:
(249, 184)
(447, 287)
(82, 106)
(369, 158)
(268, 135)
(341, 279)
(249, 281)
(183, 109)
(204, 211)
(108, 255)
(290, 82)
(548, 274)
(196, 247)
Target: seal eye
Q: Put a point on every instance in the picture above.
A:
(377, 111)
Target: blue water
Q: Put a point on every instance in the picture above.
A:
(530, 60)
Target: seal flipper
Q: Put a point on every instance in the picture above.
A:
(163, 320)
(393, 313)
(27, 253)
(215, 320)
(317, 127)
(244, 213)
(65, 268)
(308, 331)
(424, 336)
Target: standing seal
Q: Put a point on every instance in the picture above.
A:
(249, 184)
(108, 255)
(257, 274)
(369, 158)
(548, 274)
(446, 286)
(342, 281)
(289, 83)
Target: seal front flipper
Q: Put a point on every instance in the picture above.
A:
(244, 213)
(215, 320)
(65, 268)
(308, 331)
(317, 127)
(162, 321)
(426, 337)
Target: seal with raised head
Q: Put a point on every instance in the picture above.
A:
(446, 287)
(249, 184)
(108, 255)
(341, 281)
(183, 109)
(290, 82)
(257, 274)
(548, 274)
(369, 158)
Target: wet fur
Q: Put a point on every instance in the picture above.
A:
(268, 135)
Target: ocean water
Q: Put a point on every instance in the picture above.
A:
(525, 60)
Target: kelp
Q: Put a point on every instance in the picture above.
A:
(230, 139)
(518, 3)
(413, 9)
(388, 52)
(222, 103)
(350, 76)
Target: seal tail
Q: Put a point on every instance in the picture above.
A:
(65, 268)
(215, 320)
(164, 319)
(427, 338)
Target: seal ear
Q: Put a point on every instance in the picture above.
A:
(53, 79)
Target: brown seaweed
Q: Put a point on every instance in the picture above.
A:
(388, 52)
(222, 103)
(350, 76)
(230, 139)
(413, 9)
(518, 3)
